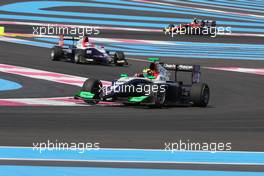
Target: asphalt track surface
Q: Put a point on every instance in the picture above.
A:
(235, 113)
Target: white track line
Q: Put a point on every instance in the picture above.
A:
(49, 76)
(256, 71)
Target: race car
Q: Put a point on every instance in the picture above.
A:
(196, 27)
(83, 51)
(153, 87)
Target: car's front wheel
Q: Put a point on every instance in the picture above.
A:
(56, 53)
(93, 86)
(77, 58)
(159, 98)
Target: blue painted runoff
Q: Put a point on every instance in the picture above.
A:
(8, 85)
(130, 155)
(97, 171)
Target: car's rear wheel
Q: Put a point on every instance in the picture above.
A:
(57, 53)
(170, 27)
(213, 24)
(200, 94)
(120, 59)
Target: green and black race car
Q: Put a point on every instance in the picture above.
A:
(153, 87)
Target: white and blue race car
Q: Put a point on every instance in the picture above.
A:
(83, 51)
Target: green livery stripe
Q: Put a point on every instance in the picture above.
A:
(124, 75)
(153, 59)
(151, 77)
(137, 99)
(86, 95)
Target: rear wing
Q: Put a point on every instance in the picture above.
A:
(194, 69)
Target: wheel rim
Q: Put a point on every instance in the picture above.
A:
(161, 98)
(76, 58)
(52, 54)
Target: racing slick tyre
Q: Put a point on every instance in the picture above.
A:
(79, 54)
(57, 53)
(200, 94)
(159, 99)
(120, 59)
(171, 26)
(94, 86)
(213, 30)
(213, 24)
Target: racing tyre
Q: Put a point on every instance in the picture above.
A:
(213, 23)
(79, 54)
(159, 99)
(120, 59)
(171, 26)
(94, 86)
(200, 94)
(57, 53)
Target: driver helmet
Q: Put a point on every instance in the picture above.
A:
(85, 41)
(150, 72)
